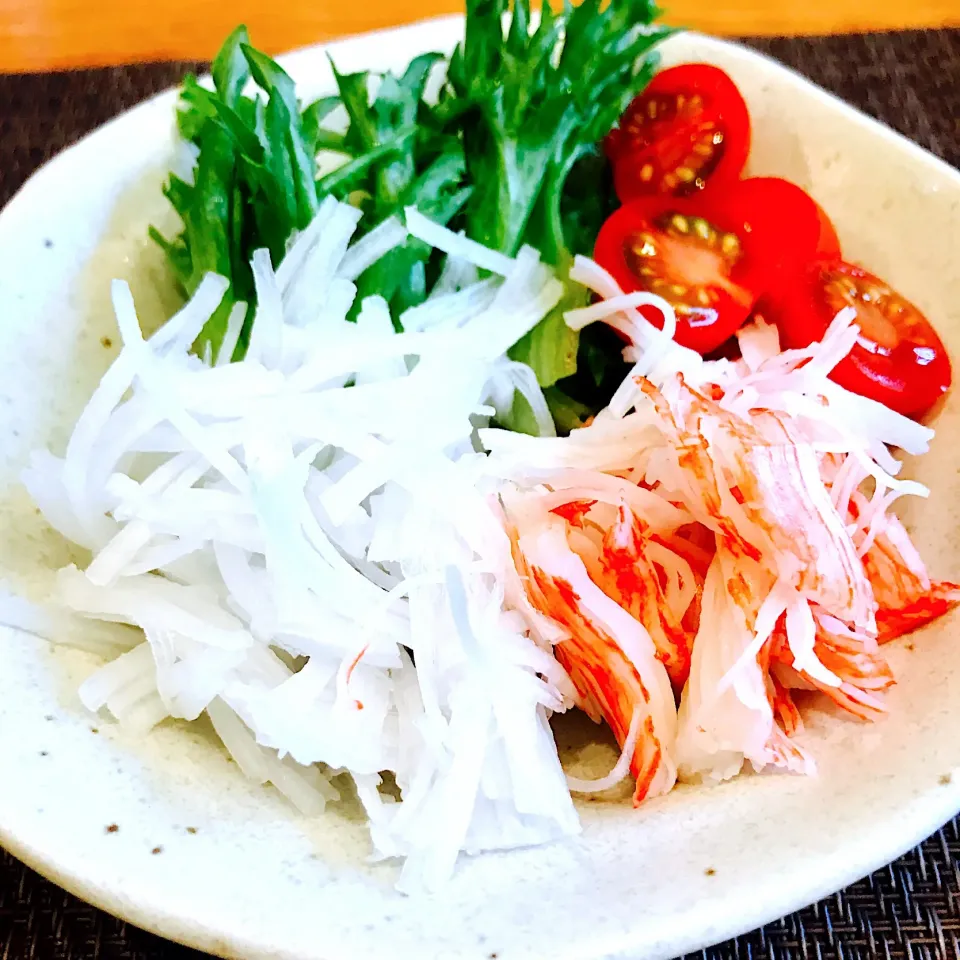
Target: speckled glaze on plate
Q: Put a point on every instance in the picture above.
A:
(169, 835)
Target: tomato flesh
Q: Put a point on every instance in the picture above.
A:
(688, 129)
(712, 256)
(689, 261)
(898, 358)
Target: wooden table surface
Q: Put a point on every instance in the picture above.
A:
(58, 34)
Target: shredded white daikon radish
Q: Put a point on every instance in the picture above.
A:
(285, 528)
(456, 244)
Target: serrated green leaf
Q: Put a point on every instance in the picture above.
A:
(518, 34)
(270, 76)
(416, 75)
(230, 70)
(362, 134)
(287, 156)
(178, 253)
(311, 122)
(346, 176)
(193, 109)
(179, 193)
(247, 140)
(395, 109)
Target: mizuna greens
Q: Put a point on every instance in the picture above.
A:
(507, 152)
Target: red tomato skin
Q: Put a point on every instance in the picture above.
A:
(723, 104)
(774, 206)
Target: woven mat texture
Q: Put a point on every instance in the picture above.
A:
(907, 911)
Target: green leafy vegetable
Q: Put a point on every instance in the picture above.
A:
(254, 181)
(506, 152)
(400, 158)
(568, 414)
(230, 70)
(600, 370)
(531, 106)
(314, 135)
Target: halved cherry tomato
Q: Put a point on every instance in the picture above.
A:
(688, 130)
(712, 256)
(898, 358)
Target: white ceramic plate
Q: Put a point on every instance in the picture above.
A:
(239, 873)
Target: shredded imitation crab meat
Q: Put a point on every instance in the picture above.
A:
(739, 513)
(328, 550)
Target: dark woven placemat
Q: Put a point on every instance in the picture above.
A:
(907, 911)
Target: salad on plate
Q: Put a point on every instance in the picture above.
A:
(498, 390)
